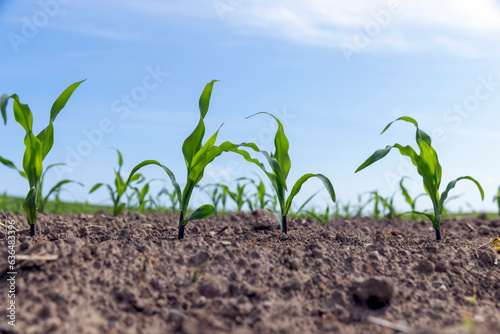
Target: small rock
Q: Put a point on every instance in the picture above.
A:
(83, 232)
(366, 229)
(292, 284)
(212, 286)
(487, 257)
(484, 230)
(374, 293)
(374, 255)
(175, 314)
(443, 287)
(425, 267)
(262, 213)
(441, 267)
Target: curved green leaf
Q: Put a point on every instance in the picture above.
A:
(298, 185)
(3, 104)
(95, 187)
(23, 115)
(46, 137)
(452, 185)
(434, 220)
(203, 211)
(376, 156)
(281, 146)
(61, 101)
(168, 171)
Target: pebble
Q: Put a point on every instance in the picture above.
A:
(443, 287)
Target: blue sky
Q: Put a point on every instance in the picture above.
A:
(335, 72)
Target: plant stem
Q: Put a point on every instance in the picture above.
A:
(32, 230)
(181, 226)
(438, 235)
(283, 224)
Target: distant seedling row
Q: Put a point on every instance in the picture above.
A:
(134, 192)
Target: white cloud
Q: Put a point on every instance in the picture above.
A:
(468, 28)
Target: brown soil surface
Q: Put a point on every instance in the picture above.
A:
(129, 274)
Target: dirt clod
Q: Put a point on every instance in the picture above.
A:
(374, 293)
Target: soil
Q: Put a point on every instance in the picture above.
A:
(241, 274)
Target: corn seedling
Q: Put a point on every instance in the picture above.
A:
(216, 195)
(37, 147)
(497, 199)
(172, 196)
(142, 193)
(120, 187)
(197, 157)
(262, 199)
(322, 219)
(237, 196)
(280, 164)
(428, 167)
(361, 205)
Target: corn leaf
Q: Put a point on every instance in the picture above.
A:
(192, 144)
(61, 101)
(298, 185)
(452, 185)
(203, 211)
(3, 104)
(168, 171)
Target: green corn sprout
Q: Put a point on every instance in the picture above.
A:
(37, 147)
(142, 193)
(497, 199)
(215, 195)
(280, 164)
(237, 196)
(172, 196)
(262, 198)
(428, 167)
(197, 157)
(120, 187)
(321, 218)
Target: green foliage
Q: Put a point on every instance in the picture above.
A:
(280, 164)
(497, 199)
(411, 201)
(172, 196)
(239, 197)
(119, 189)
(197, 157)
(37, 147)
(427, 166)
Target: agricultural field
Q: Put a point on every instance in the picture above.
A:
(250, 261)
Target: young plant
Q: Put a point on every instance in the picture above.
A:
(237, 196)
(321, 218)
(172, 196)
(216, 195)
(120, 187)
(262, 199)
(428, 167)
(197, 157)
(497, 199)
(142, 193)
(37, 147)
(280, 165)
